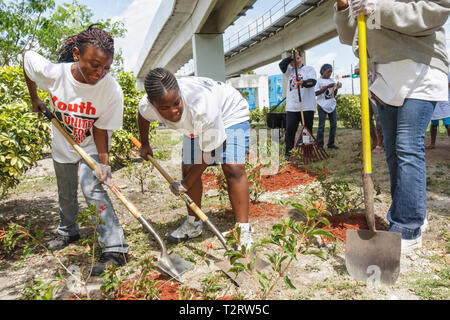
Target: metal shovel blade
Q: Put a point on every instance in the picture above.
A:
(173, 265)
(373, 256)
(242, 279)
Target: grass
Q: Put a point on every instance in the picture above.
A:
(432, 287)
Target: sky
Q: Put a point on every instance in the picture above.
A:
(137, 16)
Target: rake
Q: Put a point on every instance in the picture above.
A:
(308, 148)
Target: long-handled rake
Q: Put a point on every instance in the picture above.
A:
(307, 145)
(170, 263)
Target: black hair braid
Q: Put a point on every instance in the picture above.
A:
(159, 82)
(91, 36)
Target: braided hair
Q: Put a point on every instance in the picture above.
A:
(158, 82)
(91, 36)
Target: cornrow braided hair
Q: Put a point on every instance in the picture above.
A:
(91, 36)
(158, 82)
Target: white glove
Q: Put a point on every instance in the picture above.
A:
(177, 188)
(103, 174)
(366, 7)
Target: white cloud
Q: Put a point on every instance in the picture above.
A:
(137, 19)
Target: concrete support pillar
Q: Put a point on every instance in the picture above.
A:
(209, 56)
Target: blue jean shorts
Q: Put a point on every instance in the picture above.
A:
(446, 121)
(233, 150)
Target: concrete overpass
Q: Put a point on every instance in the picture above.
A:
(189, 28)
(193, 29)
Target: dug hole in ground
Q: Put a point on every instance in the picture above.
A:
(424, 274)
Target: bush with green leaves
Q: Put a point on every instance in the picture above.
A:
(22, 139)
(288, 240)
(348, 109)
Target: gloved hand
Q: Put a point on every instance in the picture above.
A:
(103, 174)
(366, 7)
(177, 188)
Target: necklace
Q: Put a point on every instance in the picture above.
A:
(81, 72)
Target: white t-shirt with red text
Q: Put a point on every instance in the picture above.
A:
(77, 106)
(209, 107)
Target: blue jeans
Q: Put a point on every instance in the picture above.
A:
(110, 232)
(404, 131)
(233, 150)
(321, 129)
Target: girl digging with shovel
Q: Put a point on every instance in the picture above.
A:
(88, 102)
(214, 120)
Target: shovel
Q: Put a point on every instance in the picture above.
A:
(370, 255)
(242, 277)
(170, 263)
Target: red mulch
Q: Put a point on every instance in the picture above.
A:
(340, 223)
(289, 177)
(261, 209)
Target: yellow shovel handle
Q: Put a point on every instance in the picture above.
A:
(367, 160)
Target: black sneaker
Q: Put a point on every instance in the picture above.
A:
(109, 258)
(333, 147)
(60, 242)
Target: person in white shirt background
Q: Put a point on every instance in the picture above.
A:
(407, 55)
(307, 81)
(88, 102)
(214, 120)
(326, 91)
(441, 112)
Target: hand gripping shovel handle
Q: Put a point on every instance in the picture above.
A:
(93, 165)
(191, 204)
(367, 160)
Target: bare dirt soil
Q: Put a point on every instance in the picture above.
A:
(424, 274)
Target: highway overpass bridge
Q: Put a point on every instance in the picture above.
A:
(193, 29)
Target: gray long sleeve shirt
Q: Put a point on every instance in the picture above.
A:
(409, 30)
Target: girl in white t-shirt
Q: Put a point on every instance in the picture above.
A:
(214, 120)
(88, 102)
(326, 90)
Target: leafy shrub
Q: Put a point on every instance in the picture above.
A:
(13, 87)
(258, 115)
(349, 110)
(121, 146)
(22, 137)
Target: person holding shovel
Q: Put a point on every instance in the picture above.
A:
(307, 81)
(214, 120)
(407, 54)
(88, 103)
(326, 90)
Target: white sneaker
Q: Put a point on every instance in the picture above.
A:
(245, 237)
(188, 230)
(424, 227)
(409, 246)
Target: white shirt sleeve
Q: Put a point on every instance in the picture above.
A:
(146, 110)
(40, 70)
(112, 117)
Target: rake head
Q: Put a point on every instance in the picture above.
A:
(308, 149)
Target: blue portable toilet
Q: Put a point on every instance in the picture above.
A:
(250, 98)
(275, 89)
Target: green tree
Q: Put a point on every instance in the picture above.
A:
(42, 26)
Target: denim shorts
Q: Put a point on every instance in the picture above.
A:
(446, 121)
(233, 150)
